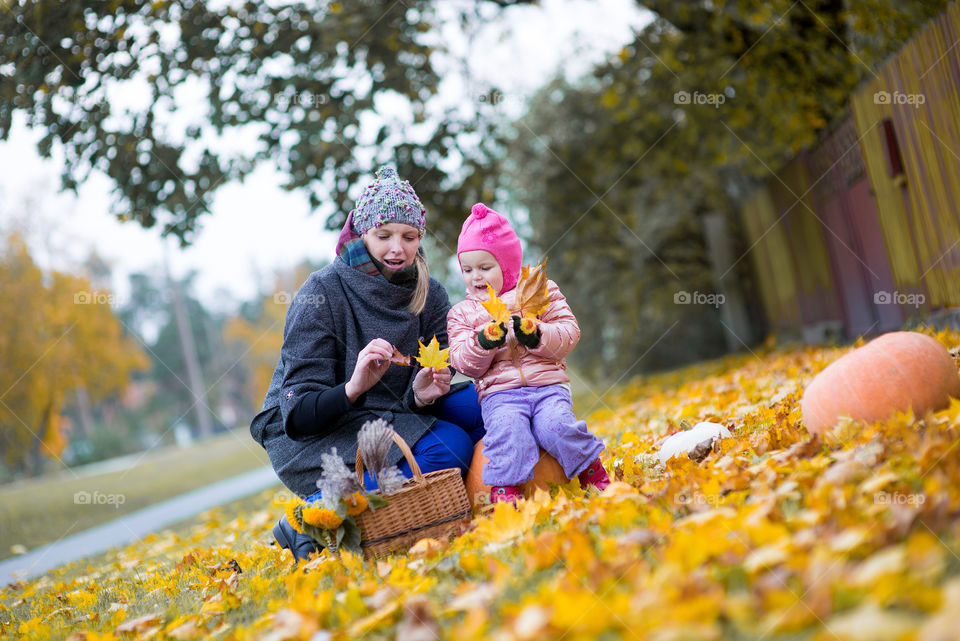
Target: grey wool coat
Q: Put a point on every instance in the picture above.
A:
(336, 312)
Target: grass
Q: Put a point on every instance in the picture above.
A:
(40, 511)
(202, 529)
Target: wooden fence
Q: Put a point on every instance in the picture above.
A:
(862, 232)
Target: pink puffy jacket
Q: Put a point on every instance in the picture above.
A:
(512, 365)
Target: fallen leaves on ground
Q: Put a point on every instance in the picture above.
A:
(774, 534)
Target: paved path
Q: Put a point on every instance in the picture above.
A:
(134, 526)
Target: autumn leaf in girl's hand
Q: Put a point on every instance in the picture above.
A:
(399, 359)
(533, 297)
(432, 356)
(496, 307)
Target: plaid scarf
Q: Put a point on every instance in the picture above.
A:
(351, 249)
(355, 254)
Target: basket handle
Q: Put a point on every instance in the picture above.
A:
(407, 454)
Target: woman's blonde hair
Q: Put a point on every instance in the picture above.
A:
(419, 299)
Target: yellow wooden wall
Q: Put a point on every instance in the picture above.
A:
(922, 243)
(919, 212)
(770, 255)
(809, 250)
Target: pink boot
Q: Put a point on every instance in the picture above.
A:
(594, 475)
(505, 494)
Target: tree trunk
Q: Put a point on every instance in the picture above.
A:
(85, 412)
(36, 458)
(733, 311)
(194, 373)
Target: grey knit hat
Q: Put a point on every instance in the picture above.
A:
(388, 200)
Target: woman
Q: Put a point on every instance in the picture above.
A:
(335, 373)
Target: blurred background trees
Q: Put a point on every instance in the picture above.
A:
(611, 174)
(59, 338)
(619, 170)
(89, 374)
(294, 82)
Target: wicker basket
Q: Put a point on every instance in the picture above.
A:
(431, 505)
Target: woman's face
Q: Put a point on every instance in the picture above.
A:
(393, 244)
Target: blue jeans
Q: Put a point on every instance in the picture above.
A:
(449, 443)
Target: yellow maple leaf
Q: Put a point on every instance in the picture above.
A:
(432, 356)
(496, 307)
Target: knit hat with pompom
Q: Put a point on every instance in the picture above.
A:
(388, 200)
(486, 229)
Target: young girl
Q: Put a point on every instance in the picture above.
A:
(519, 370)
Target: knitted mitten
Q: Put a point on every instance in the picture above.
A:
(492, 335)
(527, 331)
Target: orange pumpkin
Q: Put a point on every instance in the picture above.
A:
(896, 371)
(547, 470)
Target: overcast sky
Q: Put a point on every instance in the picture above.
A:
(256, 228)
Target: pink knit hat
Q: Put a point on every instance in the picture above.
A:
(486, 229)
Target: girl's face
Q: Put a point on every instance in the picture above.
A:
(393, 244)
(479, 267)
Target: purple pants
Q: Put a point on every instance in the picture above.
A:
(522, 420)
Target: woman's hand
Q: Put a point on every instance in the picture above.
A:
(372, 363)
(430, 384)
